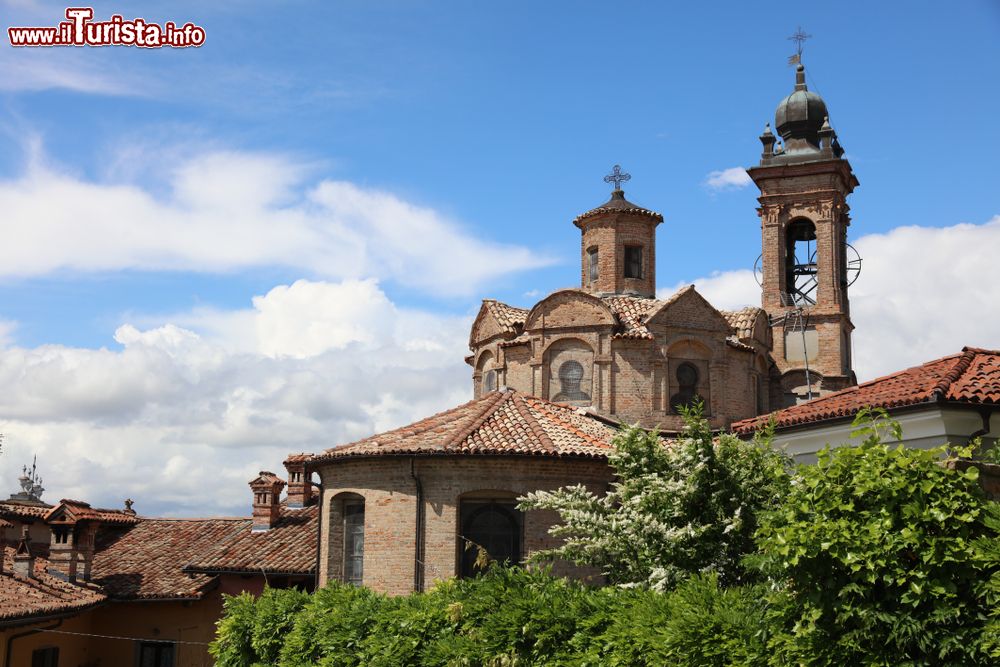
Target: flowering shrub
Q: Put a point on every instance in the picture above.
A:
(676, 508)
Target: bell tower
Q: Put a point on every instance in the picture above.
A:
(806, 264)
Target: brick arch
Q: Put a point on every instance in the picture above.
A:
(683, 355)
(486, 362)
(488, 518)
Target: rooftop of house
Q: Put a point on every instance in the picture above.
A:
(148, 558)
(970, 377)
(23, 599)
(500, 423)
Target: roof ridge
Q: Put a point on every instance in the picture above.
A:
(961, 365)
(479, 418)
(547, 408)
(533, 424)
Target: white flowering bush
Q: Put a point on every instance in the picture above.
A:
(677, 507)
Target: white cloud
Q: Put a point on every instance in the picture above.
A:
(180, 418)
(227, 211)
(923, 293)
(734, 178)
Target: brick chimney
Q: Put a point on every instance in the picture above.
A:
(300, 489)
(24, 560)
(62, 550)
(86, 536)
(266, 489)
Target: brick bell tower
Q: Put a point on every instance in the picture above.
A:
(618, 245)
(806, 264)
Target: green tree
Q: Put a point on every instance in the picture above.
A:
(676, 507)
(883, 557)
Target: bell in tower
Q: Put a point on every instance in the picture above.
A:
(806, 264)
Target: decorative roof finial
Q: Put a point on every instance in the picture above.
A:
(799, 37)
(617, 177)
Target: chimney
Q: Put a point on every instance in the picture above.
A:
(24, 560)
(300, 489)
(62, 551)
(266, 489)
(86, 536)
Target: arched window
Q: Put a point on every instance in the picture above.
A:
(493, 525)
(800, 262)
(490, 380)
(687, 387)
(354, 542)
(347, 539)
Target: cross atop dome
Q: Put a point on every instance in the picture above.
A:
(617, 177)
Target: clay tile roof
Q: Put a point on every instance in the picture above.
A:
(742, 320)
(289, 547)
(734, 342)
(22, 511)
(78, 510)
(5, 524)
(972, 376)
(510, 318)
(267, 478)
(500, 423)
(632, 311)
(618, 204)
(44, 595)
(296, 458)
(146, 560)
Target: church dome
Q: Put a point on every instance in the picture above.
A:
(801, 114)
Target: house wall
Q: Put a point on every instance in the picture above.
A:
(74, 650)
(179, 621)
(930, 427)
(389, 492)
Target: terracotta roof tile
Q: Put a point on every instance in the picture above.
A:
(499, 423)
(734, 342)
(77, 510)
(22, 511)
(511, 319)
(618, 204)
(742, 320)
(972, 376)
(289, 547)
(632, 312)
(44, 595)
(146, 560)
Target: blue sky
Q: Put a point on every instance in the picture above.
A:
(453, 142)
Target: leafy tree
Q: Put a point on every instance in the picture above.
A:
(676, 508)
(885, 557)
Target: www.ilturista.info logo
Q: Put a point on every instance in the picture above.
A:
(81, 30)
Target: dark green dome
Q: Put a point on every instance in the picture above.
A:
(801, 114)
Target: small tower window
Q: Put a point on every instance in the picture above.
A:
(592, 271)
(633, 261)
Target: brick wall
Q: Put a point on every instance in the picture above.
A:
(389, 493)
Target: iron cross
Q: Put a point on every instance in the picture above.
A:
(799, 37)
(617, 177)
